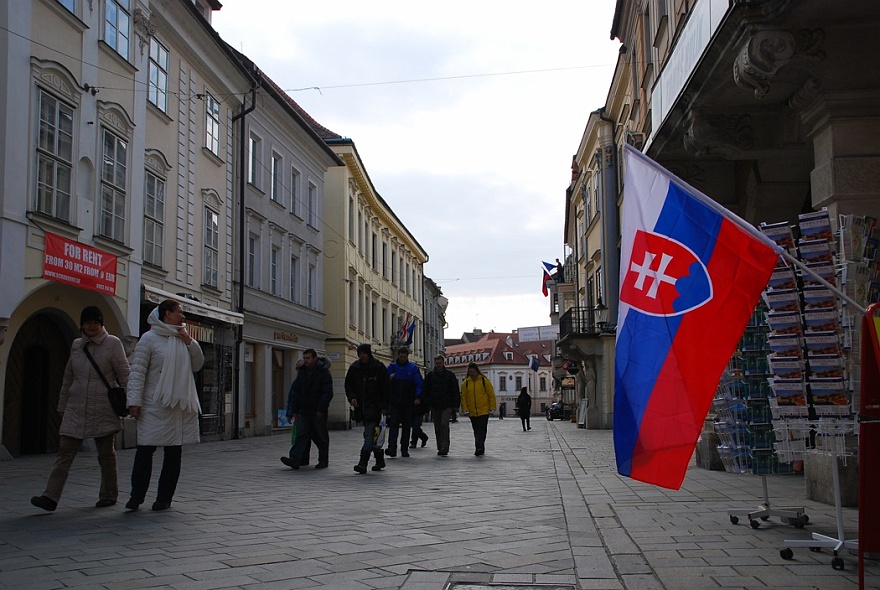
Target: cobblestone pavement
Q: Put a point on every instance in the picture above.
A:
(543, 508)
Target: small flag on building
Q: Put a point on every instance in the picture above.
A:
(547, 268)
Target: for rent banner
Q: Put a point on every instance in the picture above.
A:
(79, 265)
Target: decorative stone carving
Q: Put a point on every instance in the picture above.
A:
(766, 51)
(717, 134)
(113, 115)
(143, 28)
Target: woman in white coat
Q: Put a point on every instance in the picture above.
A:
(162, 397)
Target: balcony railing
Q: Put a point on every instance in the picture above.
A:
(579, 321)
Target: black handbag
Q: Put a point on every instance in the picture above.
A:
(116, 395)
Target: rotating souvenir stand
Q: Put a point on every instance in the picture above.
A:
(829, 330)
(830, 437)
(745, 426)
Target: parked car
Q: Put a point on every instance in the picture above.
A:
(554, 411)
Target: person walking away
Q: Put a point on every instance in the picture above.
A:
(524, 408)
(406, 393)
(307, 405)
(368, 390)
(85, 409)
(441, 394)
(477, 400)
(162, 397)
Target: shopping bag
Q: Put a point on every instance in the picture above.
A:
(293, 430)
(380, 434)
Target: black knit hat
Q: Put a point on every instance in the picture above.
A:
(91, 314)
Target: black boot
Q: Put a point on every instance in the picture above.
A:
(424, 438)
(361, 467)
(380, 460)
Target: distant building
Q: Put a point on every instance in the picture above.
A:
(504, 359)
(434, 314)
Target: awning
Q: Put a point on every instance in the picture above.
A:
(154, 295)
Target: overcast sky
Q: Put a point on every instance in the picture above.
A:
(466, 114)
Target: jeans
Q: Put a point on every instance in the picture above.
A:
(369, 431)
(480, 425)
(67, 450)
(441, 428)
(399, 420)
(311, 428)
(143, 469)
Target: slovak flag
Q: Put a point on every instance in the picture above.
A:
(547, 268)
(691, 273)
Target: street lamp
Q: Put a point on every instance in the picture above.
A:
(600, 315)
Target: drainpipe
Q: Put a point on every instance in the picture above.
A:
(610, 220)
(239, 339)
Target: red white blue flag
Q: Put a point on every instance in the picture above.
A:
(547, 268)
(691, 273)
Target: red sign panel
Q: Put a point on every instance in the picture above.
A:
(79, 265)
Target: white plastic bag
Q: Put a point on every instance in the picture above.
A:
(380, 434)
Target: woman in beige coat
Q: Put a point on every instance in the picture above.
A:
(162, 397)
(86, 410)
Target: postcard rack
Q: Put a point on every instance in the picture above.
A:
(830, 436)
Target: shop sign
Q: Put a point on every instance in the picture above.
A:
(290, 337)
(79, 265)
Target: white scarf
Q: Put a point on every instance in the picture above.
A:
(176, 385)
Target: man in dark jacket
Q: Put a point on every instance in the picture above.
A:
(367, 389)
(440, 391)
(307, 404)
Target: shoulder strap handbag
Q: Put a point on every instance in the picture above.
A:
(116, 395)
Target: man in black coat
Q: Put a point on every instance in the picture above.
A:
(367, 388)
(307, 405)
(440, 390)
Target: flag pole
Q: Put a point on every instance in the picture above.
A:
(804, 268)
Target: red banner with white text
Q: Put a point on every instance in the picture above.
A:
(79, 265)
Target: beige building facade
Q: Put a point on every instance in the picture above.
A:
(373, 270)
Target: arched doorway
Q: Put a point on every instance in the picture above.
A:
(34, 372)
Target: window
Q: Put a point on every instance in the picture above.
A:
(311, 287)
(351, 219)
(373, 317)
(294, 279)
(295, 204)
(253, 160)
(274, 256)
(542, 384)
(158, 75)
(394, 267)
(518, 380)
(253, 261)
(154, 219)
(212, 124)
(116, 25)
(313, 205)
(508, 356)
(275, 190)
(360, 321)
(502, 383)
(54, 158)
(68, 4)
(352, 305)
(375, 251)
(385, 259)
(113, 180)
(212, 245)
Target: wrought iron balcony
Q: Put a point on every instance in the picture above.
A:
(585, 321)
(579, 321)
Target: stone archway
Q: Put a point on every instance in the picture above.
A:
(34, 372)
